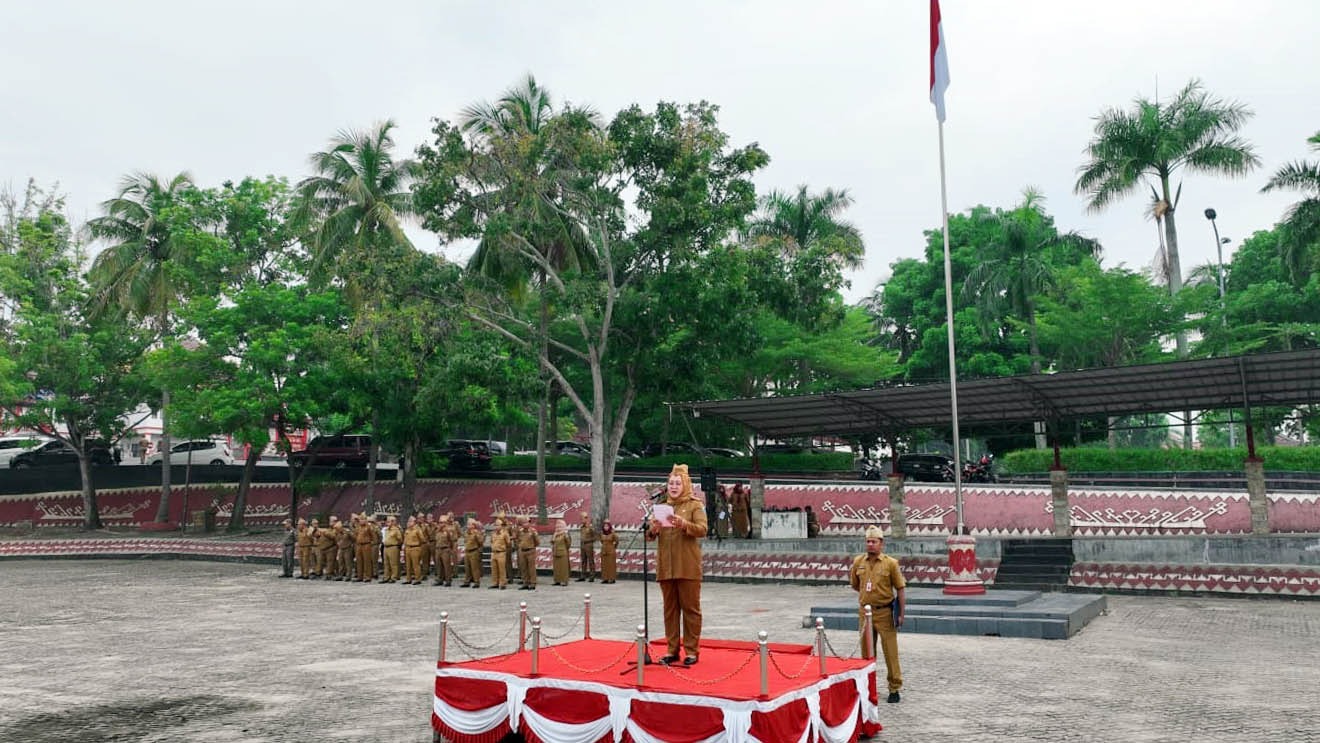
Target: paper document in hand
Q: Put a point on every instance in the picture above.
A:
(663, 513)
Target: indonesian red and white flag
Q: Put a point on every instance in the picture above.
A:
(939, 61)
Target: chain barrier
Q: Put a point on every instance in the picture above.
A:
(547, 636)
(468, 647)
(810, 657)
(856, 653)
(626, 652)
(712, 682)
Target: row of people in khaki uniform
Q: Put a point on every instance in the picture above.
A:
(340, 552)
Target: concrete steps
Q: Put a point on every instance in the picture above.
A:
(1001, 613)
(1035, 564)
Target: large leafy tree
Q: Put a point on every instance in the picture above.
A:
(614, 316)
(147, 269)
(73, 372)
(522, 164)
(354, 206)
(1299, 234)
(1150, 142)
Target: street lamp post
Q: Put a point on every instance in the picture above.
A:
(1210, 214)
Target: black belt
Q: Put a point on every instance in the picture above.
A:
(879, 606)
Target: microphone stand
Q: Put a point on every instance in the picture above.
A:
(646, 584)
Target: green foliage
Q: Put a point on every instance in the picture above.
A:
(1086, 459)
(770, 463)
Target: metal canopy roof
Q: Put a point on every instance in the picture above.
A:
(1286, 378)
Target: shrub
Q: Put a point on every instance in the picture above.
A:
(1089, 459)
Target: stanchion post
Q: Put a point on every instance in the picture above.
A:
(641, 654)
(522, 626)
(820, 644)
(536, 646)
(867, 650)
(586, 616)
(765, 662)
(444, 633)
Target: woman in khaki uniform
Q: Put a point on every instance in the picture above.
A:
(472, 544)
(740, 508)
(609, 550)
(559, 544)
(678, 566)
(305, 560)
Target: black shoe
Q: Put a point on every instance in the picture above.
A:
(579, 580)
(591, 580)
(667, 659)
(492, 587)
(503, 587)
(892, 698)
(689, 661)
(476, 585)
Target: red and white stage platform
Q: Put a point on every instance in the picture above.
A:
(586, 692)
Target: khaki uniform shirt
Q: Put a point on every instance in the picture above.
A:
(304, 536)
(325, 539)
(365, 534)
(414, 536)
(588, 535)
(474, 541)
(393, 536)
(499, 539)
(678, 553)
(875, 579)
(343, 538)
(443, 539)
(527, 538)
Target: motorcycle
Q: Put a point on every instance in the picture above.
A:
(981, 470)
(869, 469)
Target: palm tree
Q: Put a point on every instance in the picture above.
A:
(356, 201)
(1302, 221)
(140, 271)
(803, 220)
(354, 205)
(516, 135)
(1018, 268)
(1153, 140)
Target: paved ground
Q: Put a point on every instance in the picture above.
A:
(156, 650)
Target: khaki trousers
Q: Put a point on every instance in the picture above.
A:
(527, 565)
(444, 565)
(391, 569)
(305, 561)
(472, 564)
(325, 564)
(882, 625)
(345, 562)
(413, 564)
(589, 560)
(366, 561)
(499, 568)
(682, 599)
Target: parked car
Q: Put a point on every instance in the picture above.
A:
(346, 450)
(926, 467)
(12, 446)
(569, 449)
(198, 452)
(721, 451)
(465, 455)
(53, 453)
(673, 447)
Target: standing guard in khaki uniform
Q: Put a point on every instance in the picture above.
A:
(325, 551)
(364, 538)
(609, 553)
(740, 508)
(587, 537)
(413, 538)
(678, 566)
(343, 551)
(391, 540)
(499, 554)
(444, 559)
(878, 582)
(528, 541)
(472, 544)
(427, 523)
(305, 559)
(455, 540)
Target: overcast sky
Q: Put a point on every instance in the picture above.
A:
(836, 92)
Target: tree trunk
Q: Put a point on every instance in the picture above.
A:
(240, 498)
(1111, 436)
(411, 451)
(373, 458)
(543, 329)
(163, 510)
(1175, 286)
(1033, 348)
(91, 513)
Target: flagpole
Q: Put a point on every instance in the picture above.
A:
(953, 365)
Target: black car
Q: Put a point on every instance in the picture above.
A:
(465, 455)
(673, 447)
(54, 453)
(926, 467)
(344, 450)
